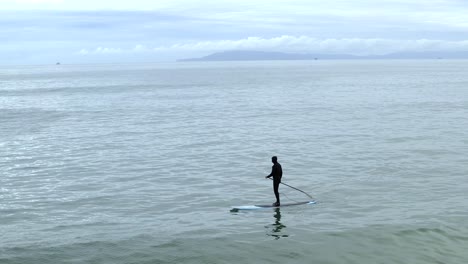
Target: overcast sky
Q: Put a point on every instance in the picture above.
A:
(89, 31)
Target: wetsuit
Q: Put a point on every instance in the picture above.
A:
(277, 173)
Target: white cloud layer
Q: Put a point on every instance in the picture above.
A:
(301, 44)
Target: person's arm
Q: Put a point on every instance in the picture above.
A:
(272, 171)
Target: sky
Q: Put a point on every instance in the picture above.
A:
(105, 31)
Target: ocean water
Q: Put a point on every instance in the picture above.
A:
(141, 163)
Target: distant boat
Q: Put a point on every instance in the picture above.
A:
(58, 63)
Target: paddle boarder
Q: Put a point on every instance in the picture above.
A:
(276, 173)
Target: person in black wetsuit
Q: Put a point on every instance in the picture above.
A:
(276, 173)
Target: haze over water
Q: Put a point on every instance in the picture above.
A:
(141, 163)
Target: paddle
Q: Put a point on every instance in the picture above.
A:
(296, 189)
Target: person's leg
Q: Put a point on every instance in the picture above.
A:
(275, 189)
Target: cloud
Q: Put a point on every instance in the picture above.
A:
(300, 44)
(102, 50)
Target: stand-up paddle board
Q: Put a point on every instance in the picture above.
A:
(266, 206)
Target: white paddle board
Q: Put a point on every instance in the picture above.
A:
(266, 206)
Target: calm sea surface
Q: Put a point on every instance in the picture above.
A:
(142, 163)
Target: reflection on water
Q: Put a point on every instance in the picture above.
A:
(275, 230)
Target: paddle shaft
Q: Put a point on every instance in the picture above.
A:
(295, 189)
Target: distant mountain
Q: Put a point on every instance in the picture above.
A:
(242, 55)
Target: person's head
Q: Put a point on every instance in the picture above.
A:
(274, 159)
